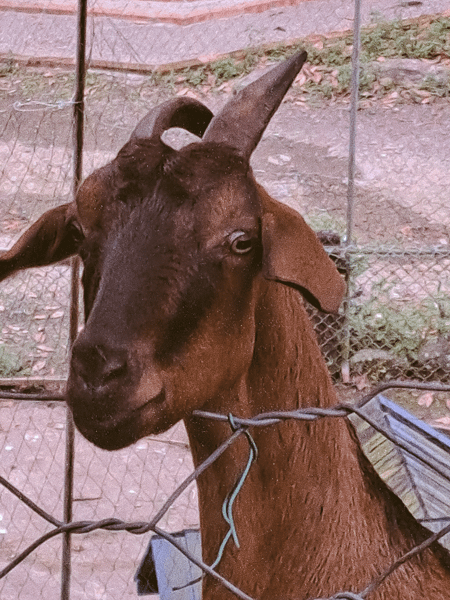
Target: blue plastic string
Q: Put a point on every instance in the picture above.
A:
(227, 507)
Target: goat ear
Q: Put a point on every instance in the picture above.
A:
(292, 254)
(52, 238)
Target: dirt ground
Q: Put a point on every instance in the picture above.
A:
(403, 178)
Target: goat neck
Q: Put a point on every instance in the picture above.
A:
(312, 518)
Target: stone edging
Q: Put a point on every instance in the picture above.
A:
(151, 11)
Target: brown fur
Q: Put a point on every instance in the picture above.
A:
(313, 518)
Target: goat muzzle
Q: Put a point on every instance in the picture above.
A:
(101, 393)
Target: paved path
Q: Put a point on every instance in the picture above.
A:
(143, 34)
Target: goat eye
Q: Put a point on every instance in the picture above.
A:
(240, 242)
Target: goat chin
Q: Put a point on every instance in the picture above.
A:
(112, 421)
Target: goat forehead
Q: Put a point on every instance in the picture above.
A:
(205, 218)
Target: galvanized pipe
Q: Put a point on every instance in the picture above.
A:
(78, 115)
(345, 369)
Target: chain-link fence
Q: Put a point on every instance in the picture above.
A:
(383, 218)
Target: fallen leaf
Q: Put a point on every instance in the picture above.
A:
(445, 421)
(406, 230)
(300, 79)
(57, 315)
(316, 77)
(38, 366)
(13, 225)
(426, 399)
(361, 382)
(422, 93)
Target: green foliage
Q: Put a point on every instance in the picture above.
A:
(333, 56)
(407, 40)
(436, 85)
(8, 68)
(226, 69)
(401, 330)
(195, 77)
(167, 80)
(10, 365)
(324, 221)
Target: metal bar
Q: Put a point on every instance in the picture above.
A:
(345, 369)
(432, 251)
(75, 288)
(13, 381)
(29, 396)
(353, 113)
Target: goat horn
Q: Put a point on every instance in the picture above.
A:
(244, 118)
(188, 113)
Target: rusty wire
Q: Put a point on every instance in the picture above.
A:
(264, 419)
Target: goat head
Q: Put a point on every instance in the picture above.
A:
(176, 246)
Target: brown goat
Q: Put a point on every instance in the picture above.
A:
(191, 283)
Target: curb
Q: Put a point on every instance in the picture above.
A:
(147, 69)
(149, 13)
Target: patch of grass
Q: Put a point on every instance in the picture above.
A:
(10, 365)
(331, 56)
(324, 221)
(228, 68)
(437, 86)
(196, 77)
(8, 68)
(401, 330)
(332, 53)
(163, 80)
(406, 40)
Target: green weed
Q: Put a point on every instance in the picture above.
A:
(10, 364)
(401, 330)
(436, 86)
(324, 221)
(383, 39)
(195, 77)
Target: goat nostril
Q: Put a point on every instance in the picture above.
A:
(99, 365)
(114, 368)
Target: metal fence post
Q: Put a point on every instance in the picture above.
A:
(78, 115)
(345, 369)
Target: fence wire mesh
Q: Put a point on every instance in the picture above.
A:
(95, 556)
(130, 485)
(396, 322)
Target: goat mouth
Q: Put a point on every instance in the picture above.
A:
(121, 429)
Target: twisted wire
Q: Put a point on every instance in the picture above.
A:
(239, 427)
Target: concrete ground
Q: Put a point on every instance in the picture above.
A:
(144, 34)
